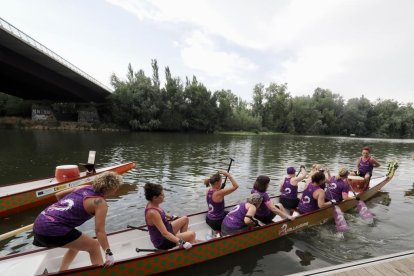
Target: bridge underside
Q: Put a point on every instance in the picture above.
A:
(28, 73)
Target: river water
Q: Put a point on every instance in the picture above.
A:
(180, 162)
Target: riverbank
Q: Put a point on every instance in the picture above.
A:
(26, 123)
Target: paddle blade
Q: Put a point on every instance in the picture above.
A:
(340, 222)
(363, 211)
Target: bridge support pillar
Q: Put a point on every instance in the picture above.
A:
(88, 114)
(42, 112)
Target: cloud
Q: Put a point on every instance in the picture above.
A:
(351, 47)
(200, 52)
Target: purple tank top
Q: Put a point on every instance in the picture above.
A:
(64, 215)
(288, 190)
(336, 188)
(308, 203)
(235, 218)
(365, 166)
(215, 210)
(262, 211)
(155, 235)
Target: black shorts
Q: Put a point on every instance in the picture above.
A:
(268, 219)
(167, 244)
(289, 203)
(363, 175)
(56, 241)
(215, 224)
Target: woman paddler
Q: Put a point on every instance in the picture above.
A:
(338, 187)
(55, 226)
(313, 196)
(164, 234)
(241, 217)
(289, 188)
(215, 198)
(365, 165)
(267, 210)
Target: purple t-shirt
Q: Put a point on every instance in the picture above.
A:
(235, 218)
(288, 190)
(215, 210)
(263, 211)
(308, 203)
(336, 188)
(64, 215)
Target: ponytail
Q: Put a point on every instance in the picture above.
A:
(213, 179)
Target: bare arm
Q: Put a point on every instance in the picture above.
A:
(357, 164)
(295, 180)
(101, 209)
(375, 163)
(345, 195)
(220, 194)
(320, 194)
(155, 218)
(275, 210)
(251, 211)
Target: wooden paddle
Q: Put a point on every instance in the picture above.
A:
(340, 222)
(16, 232)
(228, 169)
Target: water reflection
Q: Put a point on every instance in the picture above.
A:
(180, 162)
(305, 257)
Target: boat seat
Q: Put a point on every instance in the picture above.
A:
(23, 266)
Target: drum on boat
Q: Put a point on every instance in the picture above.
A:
(357, 182)
(66, 172)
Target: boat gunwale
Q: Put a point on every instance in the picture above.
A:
(376, 188)
(58, 183)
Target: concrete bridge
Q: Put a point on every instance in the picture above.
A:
(31, 71)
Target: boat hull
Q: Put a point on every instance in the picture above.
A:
(130, 262)
(16, 202)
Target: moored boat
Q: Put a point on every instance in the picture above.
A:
(15, 198)
(131, 262)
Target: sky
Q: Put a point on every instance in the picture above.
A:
(351, 47)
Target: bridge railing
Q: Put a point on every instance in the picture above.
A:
(42, 48)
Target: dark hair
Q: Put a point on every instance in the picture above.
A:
(261, 183)
(318, 177)
(366, 148)
(213, 179)
(152, 190)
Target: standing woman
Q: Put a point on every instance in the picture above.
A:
(267, 210)
(289, 188)
(164, 234)
(365, 165)
(215, 198)
(240, 218)
(338, 187)
(55, 226)
(313, 196)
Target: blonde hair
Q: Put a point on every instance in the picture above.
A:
(315, 168)
(343, 172)
(107, 182)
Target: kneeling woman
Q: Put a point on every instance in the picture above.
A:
(215, 198)
(313, 196)
(289, 188)
(163, 234)
(241, 217)
(267, 210)
(55, 226)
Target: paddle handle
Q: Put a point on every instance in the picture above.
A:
(228, 169)
(16, 232)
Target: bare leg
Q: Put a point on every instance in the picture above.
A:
(68, 258)
(83, 243)
(367, 179)
(188, 236)
(180, 225)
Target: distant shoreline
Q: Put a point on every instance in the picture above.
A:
(27, 123)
